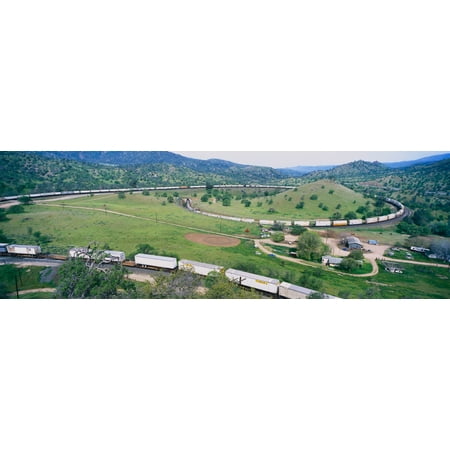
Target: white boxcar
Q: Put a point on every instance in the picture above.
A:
(253, 281)
(372, 220)
(113, 256)
(198, 267)
(289, 290)
(391, 216)
(382, 218)
(302, 223)
(29, 250)
(323, 223)
(266, 222)
(164, 262)
(355, 221)
(248, 220)
(285, 222)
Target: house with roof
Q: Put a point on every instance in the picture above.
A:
(353, 243)
(331, 261)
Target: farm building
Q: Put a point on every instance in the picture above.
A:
(353, 243)
(331, 261)
(392, 267)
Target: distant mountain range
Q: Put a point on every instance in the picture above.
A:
(295, 171)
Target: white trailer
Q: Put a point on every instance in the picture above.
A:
(25, 250)
(302, 223)
(266, 222)
(288, 290)
(323, 223)
(382, 218)
(355, 221)
(80, 252)
(391, 216)
(253, 281)
(198, 267)
(113, 256)
(3, 249)
(163, 262)
(372, 220)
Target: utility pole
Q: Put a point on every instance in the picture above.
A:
(17, 287)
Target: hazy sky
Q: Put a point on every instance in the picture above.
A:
(291, 159)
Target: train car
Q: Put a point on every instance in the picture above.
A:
(372, 220)
(266, 222)
(161, 262)
(355, 221)
(382, 218)
(322, 223)
(287, 223)
(113, 256)
(340, 223)
(391, 216)
(4, 249)
(302, 223)
(252, 280)
(80, 252)
(197, 267)
(288, 290)
(24, 250)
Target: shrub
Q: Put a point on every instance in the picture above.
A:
(277, 236)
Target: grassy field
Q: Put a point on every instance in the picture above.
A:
(69, 227)
(329, 194)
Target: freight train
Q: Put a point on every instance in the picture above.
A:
(266, 285)
(306, 223)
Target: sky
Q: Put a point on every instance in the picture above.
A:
(291, 159)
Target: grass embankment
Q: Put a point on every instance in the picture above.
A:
(331, 198)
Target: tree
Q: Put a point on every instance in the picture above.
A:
(310, 246)
(277, 236)
(441, 248)
(350, 215)
(25, 200)
(81, 279)
(3, 216)
(204, 198)
(297, 230)
(219, 286)
(348, 264)
(180, 284)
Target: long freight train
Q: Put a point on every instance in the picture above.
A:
(308, 223)
(260, 283)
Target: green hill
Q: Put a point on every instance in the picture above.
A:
(320, 199)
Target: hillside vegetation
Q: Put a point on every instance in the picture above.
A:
(31, 172)
(320, 199)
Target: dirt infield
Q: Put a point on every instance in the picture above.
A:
(212, 240)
